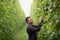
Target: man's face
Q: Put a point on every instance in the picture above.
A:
(30, 21)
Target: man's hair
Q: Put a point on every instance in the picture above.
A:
(26, 19)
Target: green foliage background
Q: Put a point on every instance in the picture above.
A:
(50, 9)
(11, 20)
(12, 23)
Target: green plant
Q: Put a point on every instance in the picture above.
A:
(11, 20)
(50, 9)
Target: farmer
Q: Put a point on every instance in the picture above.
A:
(32, 29)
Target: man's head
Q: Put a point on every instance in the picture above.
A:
(29, 20)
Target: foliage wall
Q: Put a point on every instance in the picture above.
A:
(11, 20)
(50, 9)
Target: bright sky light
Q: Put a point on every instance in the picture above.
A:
(26, 6)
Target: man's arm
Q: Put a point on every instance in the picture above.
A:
(35, 28)
(39, 25)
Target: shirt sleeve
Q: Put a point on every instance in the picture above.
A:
(35, 28)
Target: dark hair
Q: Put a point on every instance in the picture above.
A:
(26, 19)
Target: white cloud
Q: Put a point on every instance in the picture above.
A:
(26, 6)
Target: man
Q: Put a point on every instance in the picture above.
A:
(32, 29)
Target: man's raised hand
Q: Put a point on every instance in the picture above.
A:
(41, 19)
